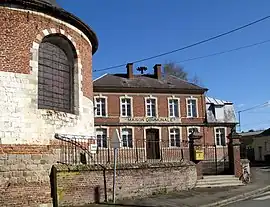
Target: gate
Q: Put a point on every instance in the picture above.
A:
(216, 160)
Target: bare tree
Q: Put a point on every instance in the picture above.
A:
(175, 70)
(178, 71)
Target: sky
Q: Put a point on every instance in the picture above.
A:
(130, 30)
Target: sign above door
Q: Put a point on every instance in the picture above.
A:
(149, 120)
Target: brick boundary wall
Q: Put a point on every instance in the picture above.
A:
(25, 175)
(79, 185)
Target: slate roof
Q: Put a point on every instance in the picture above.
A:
(229, 112)
(255, 133)
(144, 82)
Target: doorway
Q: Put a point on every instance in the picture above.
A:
(260, 153)
(152, 144)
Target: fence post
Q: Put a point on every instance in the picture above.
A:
(137, 156)
(161, 155)
(216, 159)
(182, 154)
(109, 152)
(53, 181)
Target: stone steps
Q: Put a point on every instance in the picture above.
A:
(218, 181)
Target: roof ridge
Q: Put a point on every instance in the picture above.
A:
(100, 77)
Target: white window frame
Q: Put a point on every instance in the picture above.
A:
(145, 105)
(178, 100)
(191, 127)
(107, 132)
(106, 105)
(197, 111)
(132, 134)
(180, 136)
(225, 131)
(131, 105)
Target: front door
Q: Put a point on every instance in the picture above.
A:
(152, 144)
(260, 153)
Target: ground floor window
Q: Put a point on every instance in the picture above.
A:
(220, 136)
(127, 139)
(102, 135)
(174, 134)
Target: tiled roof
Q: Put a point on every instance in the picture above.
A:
(144, 81)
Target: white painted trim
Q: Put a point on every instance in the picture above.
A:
(152, 127)
(190, 127)
(225, 131)
(107, 132)
(169, 136)
(192, 98)
(53, 19)
(145, 108)
(100, 77)
(77, 71)
(144, 136)
(153, 94)
(174, 98)
(131, 104)
(106, 105)
(133, 136)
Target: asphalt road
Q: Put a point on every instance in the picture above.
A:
(262, 200)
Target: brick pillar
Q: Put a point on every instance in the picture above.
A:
(234, 154)
(195, 142)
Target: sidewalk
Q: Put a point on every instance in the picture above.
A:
(201, 197)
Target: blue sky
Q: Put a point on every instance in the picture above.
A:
(131, 30)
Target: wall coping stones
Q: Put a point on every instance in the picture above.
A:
(126, 166)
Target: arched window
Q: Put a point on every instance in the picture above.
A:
(55, 74)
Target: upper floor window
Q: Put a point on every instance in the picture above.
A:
(192, 110)
(55, 74)
(100, 106)
(125, 106)
(174, 134)
(151, 107)
(127, 139)
(102, 135)
(173, 104)
(220, 136)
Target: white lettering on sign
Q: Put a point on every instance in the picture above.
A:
(149, 120)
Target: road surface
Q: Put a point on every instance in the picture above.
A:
(262, 200)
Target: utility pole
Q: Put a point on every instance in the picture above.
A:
(248, 109)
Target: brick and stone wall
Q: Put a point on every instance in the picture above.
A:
(76, 184)
(25, 175)
(21, 32)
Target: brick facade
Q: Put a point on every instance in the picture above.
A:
(21, 32)
(216, 154)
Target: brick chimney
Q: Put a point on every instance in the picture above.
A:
(130, 70)
(157, 71)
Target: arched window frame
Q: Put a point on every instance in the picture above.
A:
(64, 44)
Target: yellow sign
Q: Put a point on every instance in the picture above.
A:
(199, 155)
